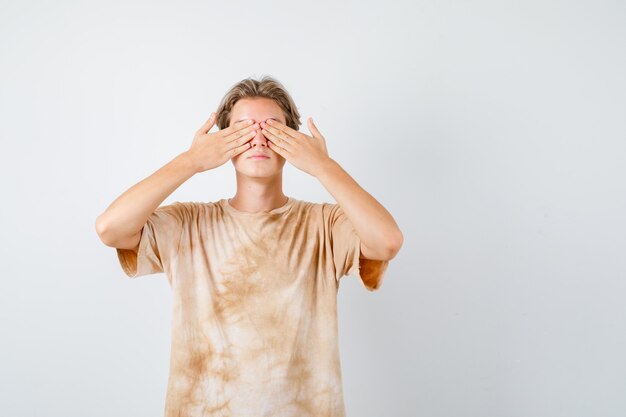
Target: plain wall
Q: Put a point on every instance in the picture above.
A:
(494, 132)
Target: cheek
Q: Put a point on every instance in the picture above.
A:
(237, 159)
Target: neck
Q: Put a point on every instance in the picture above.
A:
(258, 195)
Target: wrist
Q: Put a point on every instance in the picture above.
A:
(326, 168)
(186, 163)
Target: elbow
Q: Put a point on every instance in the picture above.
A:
(99, 225)
(395, 243)
(102, 231)
(116, 239)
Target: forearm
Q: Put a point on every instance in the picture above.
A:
(375, 226)
(127, 214)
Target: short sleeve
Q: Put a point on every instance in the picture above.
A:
(346, 250)
(159, 241)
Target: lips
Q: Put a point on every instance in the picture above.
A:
(259, 155)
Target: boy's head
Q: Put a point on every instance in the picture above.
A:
(260, 100)
(266, 87)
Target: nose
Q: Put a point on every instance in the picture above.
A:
(259, 139)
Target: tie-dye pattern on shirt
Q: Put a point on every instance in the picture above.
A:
(254, 320)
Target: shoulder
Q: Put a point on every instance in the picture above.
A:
(311, 206)
(323, 212)
(186, 210)
(315, 205)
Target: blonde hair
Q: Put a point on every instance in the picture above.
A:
(267, 87)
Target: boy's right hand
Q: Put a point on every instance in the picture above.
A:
(211, 150)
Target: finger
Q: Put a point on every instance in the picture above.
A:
(246, 133)
(283, 128)
(281, 151)
(316, 133)
(279, 134)
(236, 127)
(313, 129)
(208, 124)
(239, 149)
(277, 140)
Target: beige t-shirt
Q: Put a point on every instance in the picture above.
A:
(254, 324)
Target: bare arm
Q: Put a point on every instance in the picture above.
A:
(121, 223)
(379, 233)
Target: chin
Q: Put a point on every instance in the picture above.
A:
(259, 175)
(251, 168)
(243, 168)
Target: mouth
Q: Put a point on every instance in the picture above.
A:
(259, 157)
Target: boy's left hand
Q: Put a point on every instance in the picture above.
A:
(307, 153)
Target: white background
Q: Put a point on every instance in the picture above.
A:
(493, 131)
